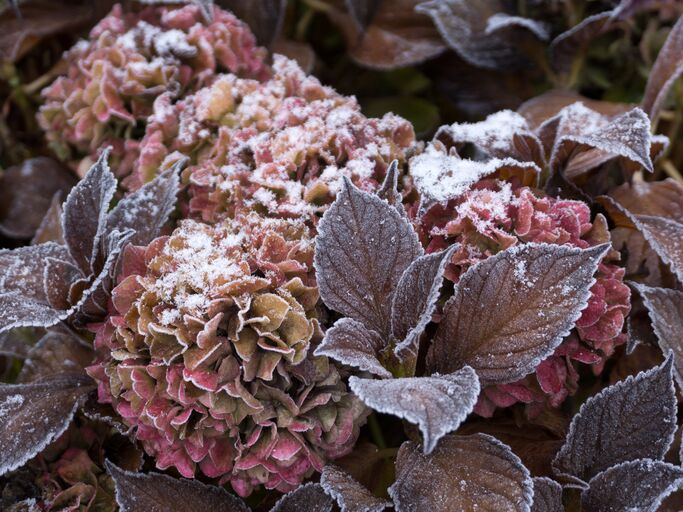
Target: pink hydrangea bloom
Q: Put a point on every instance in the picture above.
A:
(278, 148)
(208, 355)
(129, 59)
(494, 215)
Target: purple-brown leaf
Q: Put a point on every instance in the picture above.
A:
(437, 404)
(362, 248)
(363, 11)
(349, 494)
(33, 415)
(57, 352)
(475, 472)
(547, 496)
(50, 229)
(665, 236)
(635, 418)
(154, 492)
(305, 498)
(510, 311)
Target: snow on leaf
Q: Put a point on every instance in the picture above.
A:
(502, 21)
(154, 492)
(21, 269)
(667, 68)
(415, 300)
(349, 494)
(350, 343)
(50, 228)
(147, 209)
(33, 415)
(362, 248)
(59, 351)
(665, 236)
(475, 472)
(636, 486)
(635, 418)
(547, 496)
(437, 404)
(665, 308)
(309, 497)
(85, 213)
(510, 311)
(18, 311)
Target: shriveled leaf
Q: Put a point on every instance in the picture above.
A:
(415, 300)
(636, 486)
(547, 496)
(50, 229)
(363, 11)
(635, 418)
(667, 68)
(85, 213)
(56, 352)
(664, 236)
(362, 248)
(437, 404)
(510, 311)
(264, 17)
(33, 415)
(147, 209)
(665, 308)
(154, 492)
(26, 192)
(475, 472)
(305, 498)
(350, 343)
(349, 494)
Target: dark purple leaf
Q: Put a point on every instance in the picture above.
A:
(58, 277)
(664, 236)
(475, 472)
(510, 311)
(50, 229)
(565, 47)
(18, 311)
(350, 343)
(349, 494)
(21, 270)
(57, 352)
(635, 418)
(362, 248)
(437, 404)
(634, 486)
(154, 492)
(85, 213)
(547, 496)
(305, 498)
(33, 415)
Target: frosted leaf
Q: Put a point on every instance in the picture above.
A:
(50, 229)
(502, 21)
(658, 198)
(350, 343)
(58, 276)
(33, 415)
(510, 311)
(440, 177)
(415, 300)
(635, 418)
(154, 492)
(389, 189)
(362, 248)
(565, 47)
(18, 311)
(665, 236)
(147, 209)
(437, 404)
(56, 352)
(627, 136)
(665, 308)
(547, 496)
(636, 486)
(85, 213)
(363, 11)
(305, 498)
(666, 70)
(475, 472)
(349, 494)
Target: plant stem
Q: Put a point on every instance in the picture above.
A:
(376, 432)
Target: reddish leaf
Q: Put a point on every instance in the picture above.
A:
(349, 494)
(510, 311)
(635, 418)
(437, 404)
(547, 496)
(475, 472)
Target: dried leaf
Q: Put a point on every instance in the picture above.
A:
(26, 191)
(665, 308)
(56, 352)
(635, 418)
(415, 300)
(305, 498)
(437, 404)
(50, 229)
(510, 311)
(264, 17)
(667, 68)
(637, 486)
(350, 343)
(362, 248)
(349, 494)
(33, 415)
(475, 472)
(154, 492)
(85, 213)
(547, 496)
